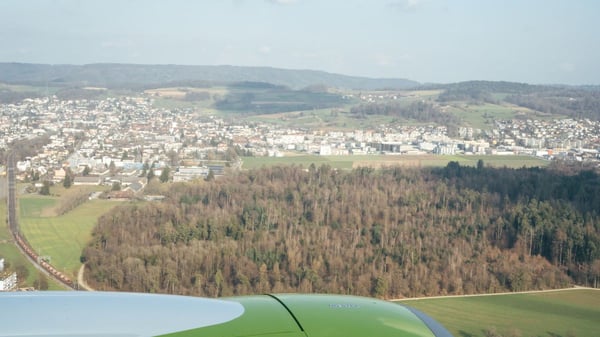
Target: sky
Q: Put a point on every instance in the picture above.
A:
(439, 41)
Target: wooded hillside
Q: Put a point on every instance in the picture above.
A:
(390, 233)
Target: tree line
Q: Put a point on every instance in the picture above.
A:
(419, 111)
(392, 232)
(572, 103)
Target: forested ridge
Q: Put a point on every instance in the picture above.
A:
(135, 76)
(568, 101)
(392, 232)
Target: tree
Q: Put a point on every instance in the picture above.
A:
(393, 232)
(480, 164)
(41, 283)
(380, 287)
(68, 182)
(86, 171)
(231, 154)
(22, 272)
(173, 157)
(112, 167)
(595, 269)
(210, 176)
(164, 175)
(151, 174)
(116, 186)
(35, 175)
(145, 168)
(45, 190)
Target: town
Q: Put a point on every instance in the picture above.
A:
(96, 139)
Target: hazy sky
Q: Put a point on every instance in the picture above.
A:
(534, 41)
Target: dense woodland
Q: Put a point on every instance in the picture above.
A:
(261, 98)
(418, 111)
(392, 232)
(574, 102)
(482, 90)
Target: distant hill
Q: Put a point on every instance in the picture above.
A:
(558, 100)
(135, 75)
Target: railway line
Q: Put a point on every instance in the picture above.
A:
(20, 241)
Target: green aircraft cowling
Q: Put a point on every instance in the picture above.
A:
(332, 316)
(310, 315)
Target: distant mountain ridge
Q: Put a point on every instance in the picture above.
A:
(138, 75)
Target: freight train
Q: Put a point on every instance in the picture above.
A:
(45, 265)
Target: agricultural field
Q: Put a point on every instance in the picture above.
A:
(61, 237)
(260, 102)
(187, 97)
(482, 116)
(376, 161)
(569, 313)
(13, 257)
(323, 119)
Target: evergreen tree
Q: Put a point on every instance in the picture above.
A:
(112, 167)
(164, 175)
(151, 174)
(68, 182)
(210, 176)
(45, 190)
(41, 283)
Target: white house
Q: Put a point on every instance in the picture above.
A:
(8, 281)
(325, 150)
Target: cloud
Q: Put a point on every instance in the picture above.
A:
(567, 67)
(407, 5)
(384, 60)
(265, 50)
(283, 2)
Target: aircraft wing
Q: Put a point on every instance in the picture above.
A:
(111, 314)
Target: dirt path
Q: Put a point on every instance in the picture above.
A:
(493, 294)
(81, 279)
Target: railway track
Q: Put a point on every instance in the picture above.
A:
(20, 241)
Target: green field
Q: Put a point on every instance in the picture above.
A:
(338, 118)
(12, 255)
(60, 237)
(350, 161)
(572, 313)
(482, 116)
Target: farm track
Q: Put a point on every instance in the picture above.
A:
(81, 279)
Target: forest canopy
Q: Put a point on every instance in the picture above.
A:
(393, 232)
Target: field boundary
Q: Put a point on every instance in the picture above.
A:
(493, 294)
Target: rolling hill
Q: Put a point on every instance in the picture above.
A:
(137, 75)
